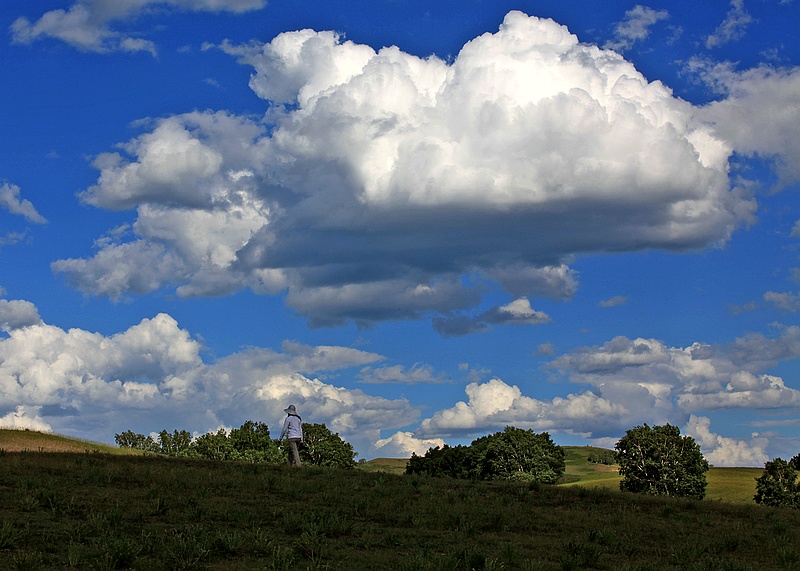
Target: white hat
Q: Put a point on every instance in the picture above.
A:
(290, 410)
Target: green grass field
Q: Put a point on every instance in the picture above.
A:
(101, 510)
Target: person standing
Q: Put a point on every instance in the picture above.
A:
(293, 431)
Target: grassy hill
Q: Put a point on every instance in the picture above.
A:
(31, 441)
(100, 510)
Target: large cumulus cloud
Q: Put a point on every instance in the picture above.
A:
(380, 185)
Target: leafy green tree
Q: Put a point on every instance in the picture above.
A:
(453, 461)
(517, 454)
(777, 486)
(605, 457)
(215, 446)
(514, 454)
(658, 460)
(179, 443)
(131, 439)
(253, 443)
(321, 447)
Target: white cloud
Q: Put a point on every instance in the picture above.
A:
(11, 201)
(613, 301)
(416, 374)
(24, 418)
(635, 27)
(385, 186)
(732, 28)
(722, 451)
(786, 300)
(495, 404)
(635, 381)
(403, 444)
(759, 116)
(17, 313)
(91, 25)
(91, 385)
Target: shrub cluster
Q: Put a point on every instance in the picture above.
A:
(514, 454)
(251, 442)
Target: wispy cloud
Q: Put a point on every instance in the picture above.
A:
(733, 27)
(10, 200)
(635, 27)
(94, 25)
(613, 301)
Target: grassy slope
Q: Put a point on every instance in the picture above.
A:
(30, 441)
(152, 513)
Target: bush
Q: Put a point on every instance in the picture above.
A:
(321, 447)
(514, 454)
(660, 461)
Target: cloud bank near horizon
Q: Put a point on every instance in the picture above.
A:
(80, 383)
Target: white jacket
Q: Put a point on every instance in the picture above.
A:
(292, 427)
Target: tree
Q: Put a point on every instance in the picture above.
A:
(130, 439)
(214, 446)
(178, 443)
(453, 461)
(252, 443)
(517, 454)
(514, 454)
(777, 486)
(325, 448)
(658, 460)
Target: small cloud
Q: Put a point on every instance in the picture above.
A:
(403, 444)
(787, 301)
(418, 374)
(11, 201)
(518, 312)
(732, 28)
(12, 238)
(545, 349)
(18, 313)
(737, 309)
(613, 301)
(635, 27)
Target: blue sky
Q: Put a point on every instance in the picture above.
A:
(419, 222)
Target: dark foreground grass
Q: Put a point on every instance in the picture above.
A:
(100, 511)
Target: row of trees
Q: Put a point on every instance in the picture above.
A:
(655, 460)
(251, 442)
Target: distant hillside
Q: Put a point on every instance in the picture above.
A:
(31, 441)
